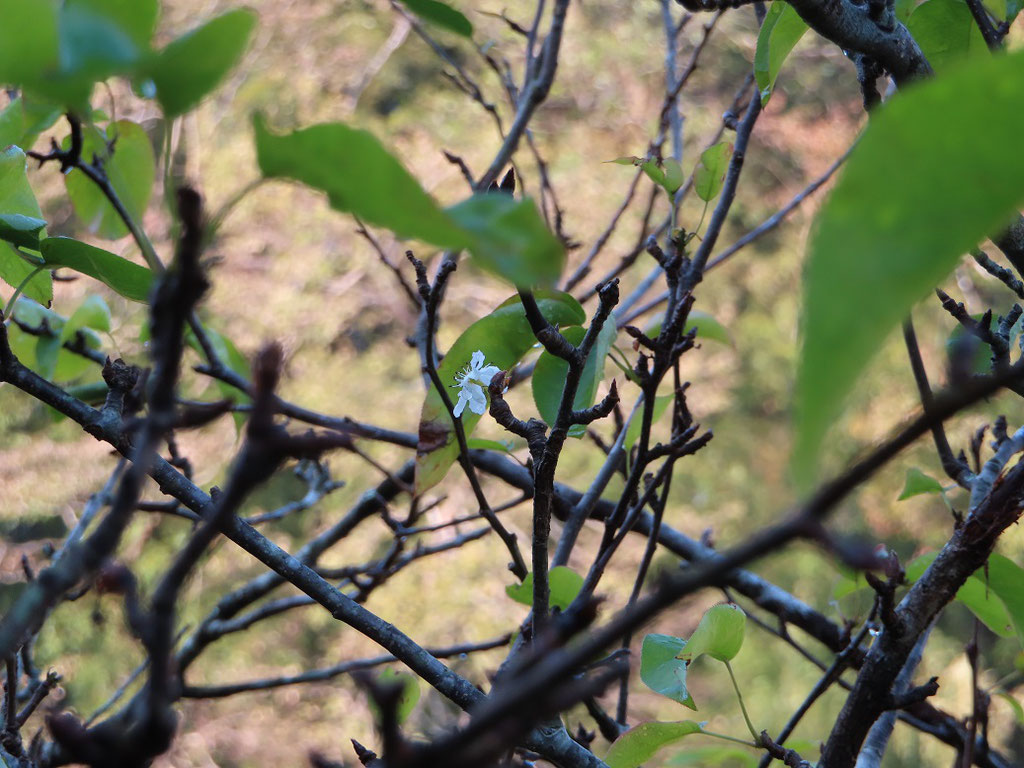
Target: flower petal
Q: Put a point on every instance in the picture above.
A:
(460, 406)
(477, 399)
(477, 361)
(484, 375)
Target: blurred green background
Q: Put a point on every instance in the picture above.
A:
(285, 267)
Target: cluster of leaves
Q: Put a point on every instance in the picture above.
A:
(664, 663)
(55, 54)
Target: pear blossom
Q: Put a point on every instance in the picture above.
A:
(471, 381)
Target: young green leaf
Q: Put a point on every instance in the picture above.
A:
(359, 176)
(92, 313)
(192, 66)
(781, 30)
(16, 200)
(708, 328)
(673, 175)
(719, 634)
(549, 374)
(480, 444)
(563, 583)
(18, 229)
(124, 277)
(650, 167)
(641, 742)
(28, 40)
(714, 756)
(880, 248)
(975, 594)
(131, 169)
(709, 176)
(504, 336)
(47, 350)
(662, 671)
(24, 119)
(71, 366)
(229, 355)
(946, 32)
(409, 697)
(441, 14)
(135, 18)
(918, 482)
(661, 403)
(1006, 579)
(509, 238)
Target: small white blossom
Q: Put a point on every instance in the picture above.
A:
(471, 382)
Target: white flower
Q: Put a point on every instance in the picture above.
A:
(471, 382)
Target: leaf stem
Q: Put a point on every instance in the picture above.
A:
(18, 291)
(731, 738)
(743, 707)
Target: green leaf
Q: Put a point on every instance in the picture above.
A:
(17, 199)
(509, 238)
(71, 366)
(719, 634)
(714, 756)
(918, 482)
(850, 581)
(24, 119)
(131, 169)
(650, 167)
(673, 175)
(21, 230)
(123, 276)
(35, 315)
(359, 176)
(192, 66)
(409, 697)
(975, 594)
(987, 606)
(550, 372)
(47, 350)
(879, 248)
(441, 14)
(661, 402)
(93, 392)
(946, 32)
(709, 176)
(92, 47)
(1006, 579)
(563, 585)
(781, 30)
(708, 328)
(93, 313)
(903, 9)
(135, 18)
(228, 354)
(641, 742)
(28, 40)
(662, 671)
(504, 336)
(480, 444)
